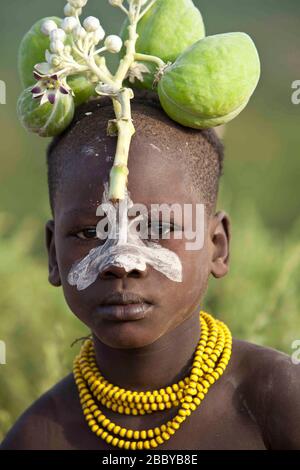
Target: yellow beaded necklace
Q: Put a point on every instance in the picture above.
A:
(210, 360)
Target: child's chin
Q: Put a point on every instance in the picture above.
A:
(126, 335)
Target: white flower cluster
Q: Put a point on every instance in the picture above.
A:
(72, 36)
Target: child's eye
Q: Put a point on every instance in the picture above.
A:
(89, 233)
(159, 229)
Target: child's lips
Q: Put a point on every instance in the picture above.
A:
(124, 312)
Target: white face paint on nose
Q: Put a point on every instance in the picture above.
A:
(124, 247)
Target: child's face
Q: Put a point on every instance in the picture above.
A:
(152, 180)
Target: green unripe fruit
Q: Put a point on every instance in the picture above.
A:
(166, 30)
(82, 88)
(211, 82)
(48, 119)
(32, 51)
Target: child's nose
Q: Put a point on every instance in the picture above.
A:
(112, 271)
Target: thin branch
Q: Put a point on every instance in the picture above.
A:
(146, 9)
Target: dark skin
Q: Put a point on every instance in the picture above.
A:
(254, 405)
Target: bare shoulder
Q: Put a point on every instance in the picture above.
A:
(271, 386)
(41, 426)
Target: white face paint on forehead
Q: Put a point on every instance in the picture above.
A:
(124, 247)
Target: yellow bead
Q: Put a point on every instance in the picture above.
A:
(117, 429)
(136, 435)
(171, 431)
(140, 445)
(159, 440)
(133, 446)
(129, 433)
(115, 441)
(175, 425)
(147, 445)
(110, 427)
(109, 439)
(121, 444)
(143, 434)
(153, 443)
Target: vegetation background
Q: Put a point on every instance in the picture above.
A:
(260, 299)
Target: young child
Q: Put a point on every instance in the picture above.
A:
(254, 404)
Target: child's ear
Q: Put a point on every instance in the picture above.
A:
(54, 277)
(220, 235)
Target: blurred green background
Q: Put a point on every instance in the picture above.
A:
(260, 299)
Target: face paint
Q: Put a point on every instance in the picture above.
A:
(124, 247)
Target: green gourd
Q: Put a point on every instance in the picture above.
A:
(211, 82)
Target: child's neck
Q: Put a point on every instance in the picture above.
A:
(157, 365)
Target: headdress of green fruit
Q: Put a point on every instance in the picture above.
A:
(201, 81)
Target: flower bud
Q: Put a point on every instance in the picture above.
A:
(57, 46)
(77, 3)
(113, 43)
(69, 24)
(70, 11)
(91, 24)
(79, 32)
(48, 26)
(98, 35)
(58, 35)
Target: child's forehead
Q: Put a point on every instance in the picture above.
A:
(156, 172)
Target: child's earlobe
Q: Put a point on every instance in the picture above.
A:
(220, 239)
(53, 276)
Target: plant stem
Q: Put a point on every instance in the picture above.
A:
(119, 171)
(147, 9)
(149, 58)
(128, 59)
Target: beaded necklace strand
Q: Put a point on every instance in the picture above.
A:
(210, 360)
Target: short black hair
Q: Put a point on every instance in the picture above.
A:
(204, 152)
